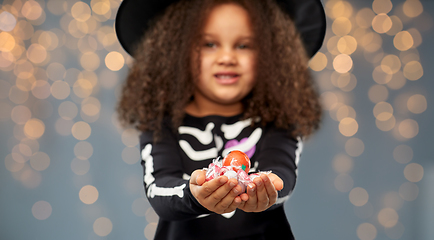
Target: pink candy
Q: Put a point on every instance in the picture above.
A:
(215, 169)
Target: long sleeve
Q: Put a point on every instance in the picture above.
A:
(165, 188)
(280, 153)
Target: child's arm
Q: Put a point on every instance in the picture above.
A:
(167, 191)
(278, 153)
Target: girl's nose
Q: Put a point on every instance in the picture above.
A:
(227, 57)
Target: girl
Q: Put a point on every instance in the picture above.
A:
(211, 76)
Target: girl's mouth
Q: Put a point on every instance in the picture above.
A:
(226, 79)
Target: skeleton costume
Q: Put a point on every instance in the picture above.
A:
(167, 166)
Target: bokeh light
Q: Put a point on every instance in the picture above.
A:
(102, 226)
(413, 172)
(366, 231)
(42, 210)
(358, 196)
(388, 217)
(88, 194)
(408, 191)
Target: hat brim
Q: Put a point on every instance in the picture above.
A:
(133, 17)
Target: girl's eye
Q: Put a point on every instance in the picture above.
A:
(209, 44)
(243, 46)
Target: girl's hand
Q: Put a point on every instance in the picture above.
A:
(262, 194)
(219, 195)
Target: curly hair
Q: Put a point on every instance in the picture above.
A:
(161, 83)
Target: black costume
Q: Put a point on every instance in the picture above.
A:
(168, 163)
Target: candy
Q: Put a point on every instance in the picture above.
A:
(237, 160)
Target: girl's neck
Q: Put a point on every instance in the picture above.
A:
(202, 109)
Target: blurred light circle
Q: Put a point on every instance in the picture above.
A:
(318, 62)
(82, 88)
(382, 6)
(34, 128)
(332, 45)
(88, 194)
(343, 182)
(12, 165)
(341, 26)
(21, 114)
(397, 26)
(150, 230)
(30, 179)
(383, 111)
(41, 89)
(398, 81)
(412, 8)
(114, 61)
(364, 17)
(347, 45)
(358, 196)
(413, 70)
(417, 104)
(60, 90)
(378, 93)
(381, 23)
(413, 172)
(7, 21)
(140, 206)
(28, 147)
(386, 125)
(131, 155)
(130, 137)
(68, 110)
(80, 167)
(90, 61)
(343, 163)
(151, 216)
(391, 64)
(56, 71)
(18, 96)
(100, 7)
(48, 40)
(36, 53)
(81, 130)
(102, 226)
(380, 76)
(342, 63)
(91, 106)
(329, 100)
(83, 150)
(41, 210)
(18, 157)
(348, 126)
(7, 42)
(408, 128)
(344, 112)
(354, 147)
(403, 41)
(40, 161)
(31, 10)
(366, 231)
(408, 191)
(396, 231)
(81, 11)
(388, 217)
(417, 37)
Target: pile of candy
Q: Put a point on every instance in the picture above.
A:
(235, 165)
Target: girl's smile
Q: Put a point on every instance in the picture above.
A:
(227, 62)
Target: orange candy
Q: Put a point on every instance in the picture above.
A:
(237, 160)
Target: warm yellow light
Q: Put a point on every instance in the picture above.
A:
(408, 128)
(413, 172)
(343, 163)
(383, 111)
(382, 6)
(386, 125)
(403, 41)
(388, 217)
(40, 161)
(88, 194)
(341, 26)
(90, 61)
(34, 128)
(60, 90)
(343, 63)
(7, 42)
(397, 26)
(100, 7)
(417, 104)
(358, 196)
(343, 182)
(412, 8)
(31, 10)
(102, 226)
(378, 93)
(413, 70)
(354, 147)
(408, 191)
(91, 106)
(80, 11)
(21, 114)
(82, 88)
(391, 64)
(83, 150)
(7, 21)
(114, 61)
(364, 17)
(366, 231)
(347, 45)
(317, 63)
(42, 210)
(130, 137)
(348, 127)
(403, 154)
(41, 89)
(81, 130)
(381, 23)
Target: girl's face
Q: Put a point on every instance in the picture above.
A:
(227, 64)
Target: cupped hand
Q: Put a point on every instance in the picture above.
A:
(219, 195)
(261, 194)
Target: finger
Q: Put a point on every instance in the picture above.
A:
(277, 181)
(224, 196)
(197, 177)
(262, 194)
(208, 188)
(252, 203)
(270, 189)
(236, 200)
